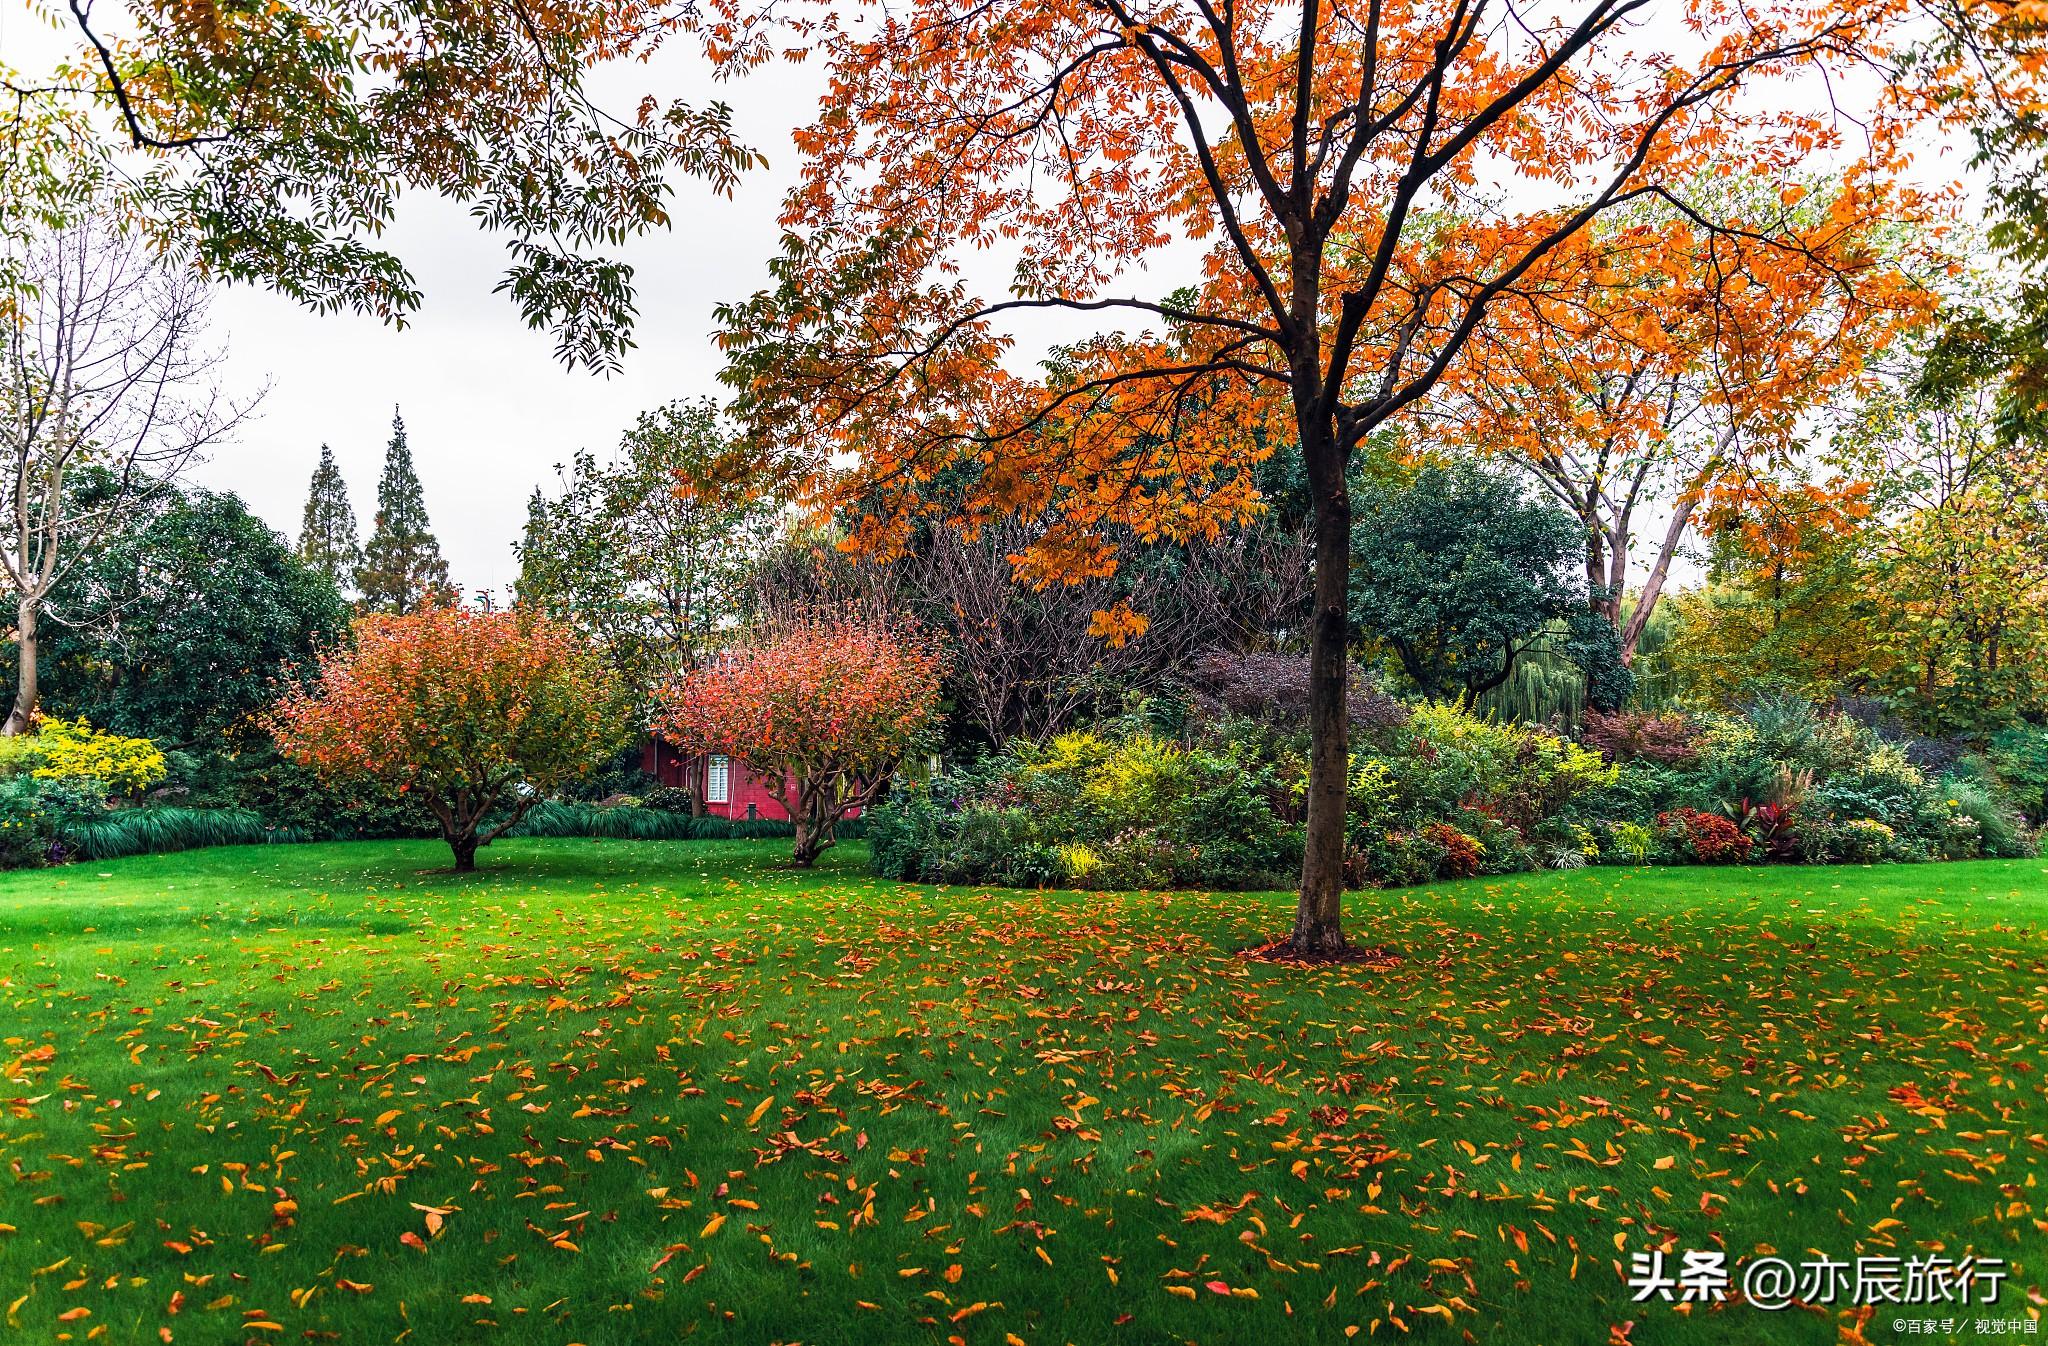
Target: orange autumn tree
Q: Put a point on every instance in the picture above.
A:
(821, 709)
(476, 714)
(1668, 358)
(1364, 179)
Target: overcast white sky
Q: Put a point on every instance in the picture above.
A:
(488, 410)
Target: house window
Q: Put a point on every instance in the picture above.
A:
(718, 780)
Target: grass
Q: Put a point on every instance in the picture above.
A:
(161, 828)
(610, 1091)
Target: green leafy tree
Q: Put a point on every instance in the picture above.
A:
(402, 569)
(1956, 562)
(273, 144)
(327, 534)
(180, 629)
(648, 554)
(1457, 575)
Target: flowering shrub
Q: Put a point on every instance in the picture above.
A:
(1712, 839)
(72, 750)
(1962, 837)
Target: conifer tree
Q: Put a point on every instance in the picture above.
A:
(402, 569)
(327, 534)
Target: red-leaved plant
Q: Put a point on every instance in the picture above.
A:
(1714, 840)
(820, 709)
(1461, 852)
(477, 714)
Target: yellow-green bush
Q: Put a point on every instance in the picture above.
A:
(72, 750)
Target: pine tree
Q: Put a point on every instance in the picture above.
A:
(327, 535)
(402, 569)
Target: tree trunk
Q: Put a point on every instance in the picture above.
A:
(1660, 569)
(811, 841)
(459, 817)
(694, 773)
(465, 852)
(26, 687)
(1319, 918)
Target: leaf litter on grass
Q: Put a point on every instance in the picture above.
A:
(761, 1107)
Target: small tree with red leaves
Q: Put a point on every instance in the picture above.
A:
(478, 714)
(822, 709)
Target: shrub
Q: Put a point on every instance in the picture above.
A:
(1461, 853)
(63, 749)
(303, 802)
(558, 818)
(1711, 838)
(1772, 827)
(1996, 828)
(1863, 840)
(669, 799)
(2019, 757)
(1273, 689)
(1126, 809)
(1633, 840)
(37, 814)
(1631, 736)
(1519, 774)
(1398, 859)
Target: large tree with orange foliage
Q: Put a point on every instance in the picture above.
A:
(1367, 178)
(1666, 359)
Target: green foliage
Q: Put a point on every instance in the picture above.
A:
(645, 554)
(402, 569)
(182, 628)
(628, 822)
(305, 802)
(1458, 575)
(1510, 788)
(1126, 809)
(277, 156)
(669, 799)
(159, 829)
(37, 813)
(1438, 793)
(2019, 757)
(327, 533)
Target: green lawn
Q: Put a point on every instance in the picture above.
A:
(640, 1091)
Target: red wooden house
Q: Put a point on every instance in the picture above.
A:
(730, 789)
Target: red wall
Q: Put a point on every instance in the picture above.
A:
(664, 763)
